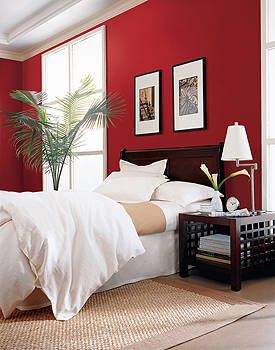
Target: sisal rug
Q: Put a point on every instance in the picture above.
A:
(145, 315)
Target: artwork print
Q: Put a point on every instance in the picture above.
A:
(147, 103)
(188, 96)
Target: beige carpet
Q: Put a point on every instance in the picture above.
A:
(145, 315)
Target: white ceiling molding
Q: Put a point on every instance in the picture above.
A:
(10, 55)
(3, 39)
(42, 17)
(57, 8)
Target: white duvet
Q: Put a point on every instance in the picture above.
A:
(68, 244)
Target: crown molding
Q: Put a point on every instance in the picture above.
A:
(93, 21)
(42, 17)
(11, 55)
(3, 39)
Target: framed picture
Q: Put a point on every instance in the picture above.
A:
(148, 103)
(189, 101)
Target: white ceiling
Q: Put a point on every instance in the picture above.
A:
(28, 27)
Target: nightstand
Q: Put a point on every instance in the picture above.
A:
(252, 243)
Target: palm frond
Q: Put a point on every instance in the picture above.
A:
(31, 98)
(73, 106)
(46, 134)
(99, 115)
(26, 119)
(101, 112)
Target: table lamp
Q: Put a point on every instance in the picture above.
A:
(236, 148)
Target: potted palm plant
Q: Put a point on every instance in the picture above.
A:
(45, 135)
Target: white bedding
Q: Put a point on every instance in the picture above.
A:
(161, 256)
(68, 244)
(171, 212)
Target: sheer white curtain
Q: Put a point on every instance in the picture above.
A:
(63, 68)
(268, 102)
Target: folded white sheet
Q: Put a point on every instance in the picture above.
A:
(68, 244)
(171, 211)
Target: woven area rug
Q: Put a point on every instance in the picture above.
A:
(145, 315)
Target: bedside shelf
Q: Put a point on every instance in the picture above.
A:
(252, 243)
(216, 264)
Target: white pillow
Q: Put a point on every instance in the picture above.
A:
(129, 189)
(116, 174)
(153, 169)
(183, 193)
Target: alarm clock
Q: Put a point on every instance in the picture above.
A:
(232, 204)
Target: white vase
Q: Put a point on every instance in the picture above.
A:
(216, 201)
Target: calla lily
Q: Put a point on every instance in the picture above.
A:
(204, 168)
(241, 172)
(215, 181)
(236, 173)
(214, 177)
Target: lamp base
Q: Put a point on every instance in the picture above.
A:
(253, 167)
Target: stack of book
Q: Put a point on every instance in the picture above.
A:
(214, 248)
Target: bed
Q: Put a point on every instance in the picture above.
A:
(160, 257)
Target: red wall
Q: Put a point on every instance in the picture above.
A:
(32, 80)
(161, 33)
(10, 173)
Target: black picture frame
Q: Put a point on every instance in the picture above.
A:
(147, 126)
(184, 122)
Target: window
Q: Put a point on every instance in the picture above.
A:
(63, 68)
(268, 103)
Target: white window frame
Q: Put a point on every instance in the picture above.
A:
(69, 44)
(266, 140)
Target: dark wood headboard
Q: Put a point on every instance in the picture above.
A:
(183, 163)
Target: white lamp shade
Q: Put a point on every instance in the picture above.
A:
(236, 145)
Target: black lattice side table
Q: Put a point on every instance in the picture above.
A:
(252, 242)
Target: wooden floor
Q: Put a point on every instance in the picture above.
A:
(256, 331)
